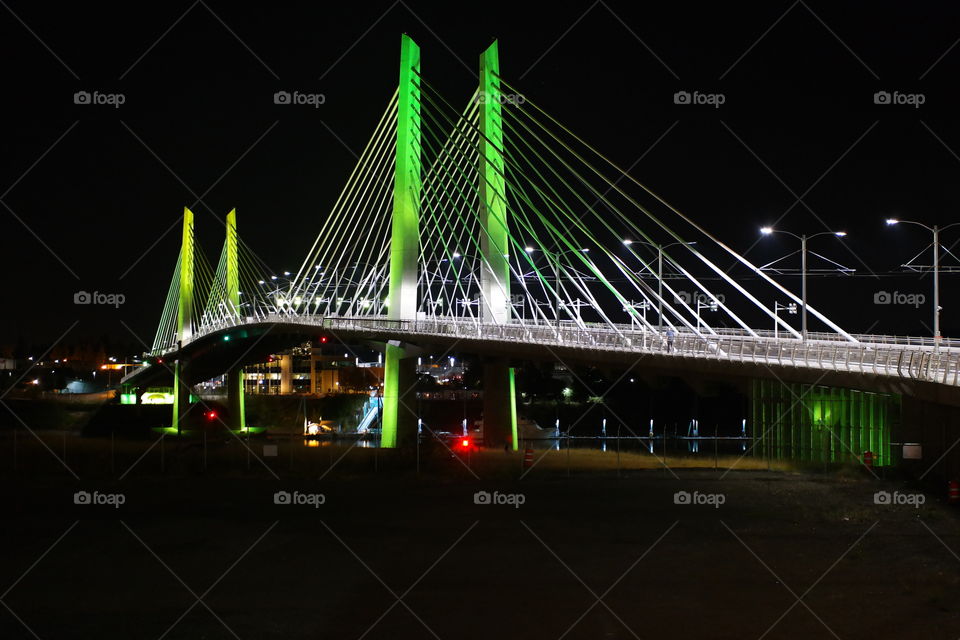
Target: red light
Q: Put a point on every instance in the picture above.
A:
(159, 360)
(465, 443)
(323, 339)
(211, 415)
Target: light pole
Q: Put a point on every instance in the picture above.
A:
(935, 230)
(659, 248)
(803, 267)
(554, 260)
(790, 308)
(712, 306)
(643, 305)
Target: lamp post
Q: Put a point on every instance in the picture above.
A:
(790, 308)
(712, 306)
(935, 230)
(554, 259)
(803, 267)
(659, 248)
(643, 305)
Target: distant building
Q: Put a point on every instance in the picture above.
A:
(308, 370)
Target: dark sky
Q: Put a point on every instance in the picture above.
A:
(94, 192)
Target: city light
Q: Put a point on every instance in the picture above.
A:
(892, 221)
(766, 230)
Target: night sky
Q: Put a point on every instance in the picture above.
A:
(93, 193)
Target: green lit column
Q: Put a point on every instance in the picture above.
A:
(235, 394)
(404, 245)
(494, 245)
(499, 390)
(514, 443)
(181, 390)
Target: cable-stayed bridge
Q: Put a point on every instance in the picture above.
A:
(491, 227)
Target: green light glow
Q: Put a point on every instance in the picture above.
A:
(391, 396)
(184, 315)
(405, 238)
(495, 268)
(514, 443)
(830, 424)
(405, 229)
(236, 395)
(154, 397)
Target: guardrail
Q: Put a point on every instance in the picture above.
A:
(891, 356)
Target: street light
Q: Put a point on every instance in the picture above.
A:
(659, 248)
(643, 305)
(935, 230)
(712, 306)
(803, 266)
(554, 259)
(790, 308)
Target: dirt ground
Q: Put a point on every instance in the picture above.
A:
(781, 554)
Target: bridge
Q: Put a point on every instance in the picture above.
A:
(494, 229)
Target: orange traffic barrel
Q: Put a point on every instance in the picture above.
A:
(528, 457)
(953, 492)
(868, 459)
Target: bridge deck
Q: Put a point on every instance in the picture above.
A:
(889, 356)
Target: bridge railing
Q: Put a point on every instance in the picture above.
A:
(888, 356)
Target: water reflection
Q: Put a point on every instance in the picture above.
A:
(654, 445)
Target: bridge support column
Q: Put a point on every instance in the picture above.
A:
(181, 397)
(399, 425)
(236, 404)
(499, 391)
(499, 405)
(494, 232)
(399, 374)
(236, 399)
(181, 391)
(286, 374)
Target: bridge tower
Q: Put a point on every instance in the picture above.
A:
(499, 396)
(235, 393)
(399, 374)
(181, 391)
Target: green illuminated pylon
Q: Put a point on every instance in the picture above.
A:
(235, 393)
(181, 392)
(514, 442)
(405, 238)
(495, 266)
(500, 401)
